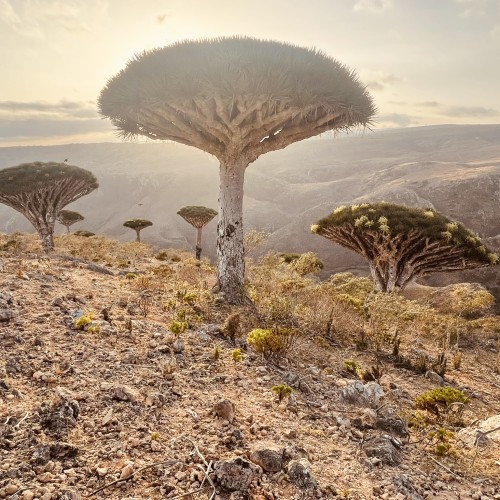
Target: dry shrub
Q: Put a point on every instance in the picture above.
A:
(16, 244)
(103, 250)
(467, 300)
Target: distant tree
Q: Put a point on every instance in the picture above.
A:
(138, 225)
(84, 233)
(402, 243)
(41, 190)
(235, 98)
(198, 217)
(67, 218)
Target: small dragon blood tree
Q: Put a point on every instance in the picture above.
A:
(67, 218)
(198, 217)
(402, 243)
(138, 225)
(41, 190)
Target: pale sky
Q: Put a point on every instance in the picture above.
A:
(426, 62)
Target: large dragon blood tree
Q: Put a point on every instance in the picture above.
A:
(198, 217)
(137, 225)
(41, 190)
(68, 217)
(402, 243)
(235, 98)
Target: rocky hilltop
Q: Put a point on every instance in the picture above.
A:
(122, 378)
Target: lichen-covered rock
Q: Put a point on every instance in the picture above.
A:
(383, 448)
(359, 394)
(236, 474)
(59, 418)
(300, 475)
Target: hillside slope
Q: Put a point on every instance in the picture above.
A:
(100, 398)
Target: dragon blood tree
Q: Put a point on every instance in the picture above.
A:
(138, 225)
(41, 190)
(402, 243)
(235, 98)
(198, 217)
(67, 218)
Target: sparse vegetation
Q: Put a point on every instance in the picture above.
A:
(150, 374)
(440, 401)
(282, 391)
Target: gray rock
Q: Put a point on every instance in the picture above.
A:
(300, 475)
(58, 419)
(69, 495)
(485, 433)
(7, 315)
(434, 377)
(225, 409)
(269, 458)
(359, 394)
(236, 474)
(384, 448)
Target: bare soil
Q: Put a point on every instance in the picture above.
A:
(81, 409)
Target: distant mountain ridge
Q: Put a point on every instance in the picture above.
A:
(453, 168)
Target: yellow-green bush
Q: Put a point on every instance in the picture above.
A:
(271, 342)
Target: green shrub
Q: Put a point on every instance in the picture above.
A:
(271, 342)
(178, 327)
(441, 399)
(236, 355)
(441, 440)
(282, 391)
(81, 322)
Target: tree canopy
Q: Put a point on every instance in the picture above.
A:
(235, 98)
(402, 243)
(197, 216)
(40, 190)
(138, 225)
(69, 217)
(251, 95)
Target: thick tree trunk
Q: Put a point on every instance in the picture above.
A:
(378, 278)
(198, 242)
(138, 239)
(46, 233)
(230, 253)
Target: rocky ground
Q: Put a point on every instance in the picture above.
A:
(120, 407)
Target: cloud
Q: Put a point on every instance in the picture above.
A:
(470, 111)
(38, 18)
(495, 32)
(392, 120)
(428, 104)
(459, 111)
(63, 109)
(32, 121)
(379, 80)
(373, 6)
